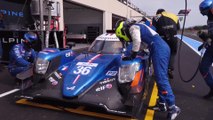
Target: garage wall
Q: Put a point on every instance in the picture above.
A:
(112, 6)
(78, 18)
(108, 7)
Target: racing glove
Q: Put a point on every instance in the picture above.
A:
(200, 47)
(205, 44)
(131, 57)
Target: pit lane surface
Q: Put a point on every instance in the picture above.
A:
(188, 97)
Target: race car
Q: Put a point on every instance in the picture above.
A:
(98, 77)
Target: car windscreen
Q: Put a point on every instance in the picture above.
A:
(106, 47)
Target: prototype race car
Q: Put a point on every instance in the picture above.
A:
(98, 77)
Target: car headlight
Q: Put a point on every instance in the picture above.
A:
(41, 66)
(127, 72)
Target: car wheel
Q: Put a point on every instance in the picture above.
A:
(37, 78)
(138, 105)
(139, 99)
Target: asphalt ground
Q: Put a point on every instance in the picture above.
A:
(188, 97)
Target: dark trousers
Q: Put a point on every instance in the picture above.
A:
(173, 45)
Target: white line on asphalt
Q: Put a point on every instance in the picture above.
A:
(9, 92)
(199, 53)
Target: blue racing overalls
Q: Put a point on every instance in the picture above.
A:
(20, 59)
(160, 54)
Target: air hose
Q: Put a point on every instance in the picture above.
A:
(181, 41)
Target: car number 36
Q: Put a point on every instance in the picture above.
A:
(83, 70)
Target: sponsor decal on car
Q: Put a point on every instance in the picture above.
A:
(44, 52)
(68, 54)
(53, 81)
(58, 75)
(103, 87)
(111, 73)
(106, 80)
(108, 86)
(64, 68)
(87, 64)
(84, 68)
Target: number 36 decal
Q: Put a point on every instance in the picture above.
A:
(84, 70)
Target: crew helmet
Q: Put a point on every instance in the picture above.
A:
(159, 11)
(29, 39)
(121, 31)
(205, 6)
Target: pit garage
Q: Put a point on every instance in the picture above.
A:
(83, 23)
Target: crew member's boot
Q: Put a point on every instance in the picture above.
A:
(174, 111)
(159, 107)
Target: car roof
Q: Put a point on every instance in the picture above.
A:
(108, 37)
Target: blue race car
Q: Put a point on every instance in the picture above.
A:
(98, 77)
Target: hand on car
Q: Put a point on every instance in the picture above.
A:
(133, 55)
(126, 58)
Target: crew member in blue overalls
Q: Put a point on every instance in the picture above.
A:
(206, 8)
(160, 54)
(22, 55)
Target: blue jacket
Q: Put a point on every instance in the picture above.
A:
(19, 57)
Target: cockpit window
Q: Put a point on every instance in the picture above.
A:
(106, 47)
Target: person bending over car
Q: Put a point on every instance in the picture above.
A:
(22, 55)
(160, 53)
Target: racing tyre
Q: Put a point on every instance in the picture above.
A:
(37, 78)
(138, 105)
